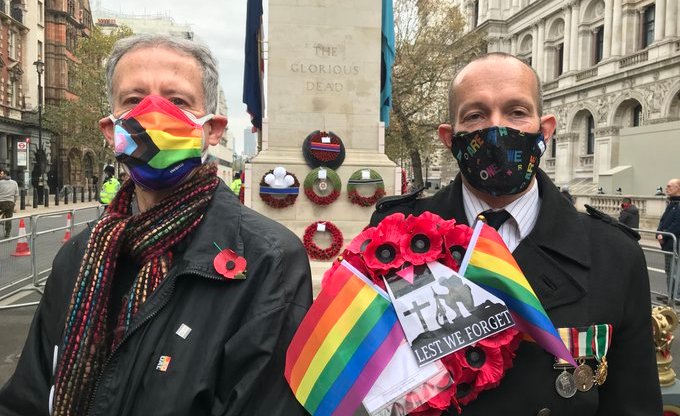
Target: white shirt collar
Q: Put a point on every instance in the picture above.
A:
(524, 211)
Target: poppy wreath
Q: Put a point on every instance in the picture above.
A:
(399, 242)
(317, 253)
(322, 148)
(357, 179)
(283, 197)
(330, 187)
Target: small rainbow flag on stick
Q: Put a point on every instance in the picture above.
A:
(489, 263)
(342, 345)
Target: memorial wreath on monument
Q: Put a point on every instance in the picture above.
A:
(365, 178)
(279, 188)
(322, 148)
(322, 186)
(317, 253)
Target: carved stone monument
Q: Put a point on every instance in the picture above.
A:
(323, 73)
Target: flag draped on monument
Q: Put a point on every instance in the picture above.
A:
(386, 62)
(252, 70)
(489, 264)
(342, 345)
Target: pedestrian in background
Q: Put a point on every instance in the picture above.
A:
(110, 186)
(9, 192)
(629, 215)
(236, 183)
(670, 223)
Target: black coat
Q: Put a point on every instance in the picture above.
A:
(670, 222)
(232, 361)
(585, 271)
(630, 216)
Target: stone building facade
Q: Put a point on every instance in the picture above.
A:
(611, 75)
(21, 44)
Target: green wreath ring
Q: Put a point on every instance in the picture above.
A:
(322, 191)
(358, 179)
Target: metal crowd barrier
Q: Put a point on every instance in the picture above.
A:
(671, 295)
(41, 256)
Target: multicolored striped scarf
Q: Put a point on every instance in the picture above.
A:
(147, 237)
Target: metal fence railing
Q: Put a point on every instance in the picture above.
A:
(663, 267)
(22, 272)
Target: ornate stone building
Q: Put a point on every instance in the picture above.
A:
(611, 75)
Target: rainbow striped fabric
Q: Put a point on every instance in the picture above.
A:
(489, 264)
(342, 345)
(158, 133)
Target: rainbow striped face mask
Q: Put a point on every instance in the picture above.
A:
(159, 143)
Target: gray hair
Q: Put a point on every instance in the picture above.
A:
(201, 53)
(539, 87)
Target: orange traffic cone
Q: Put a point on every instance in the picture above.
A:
(22, 248)
(67, 234)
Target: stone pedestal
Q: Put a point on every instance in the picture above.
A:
(323, 74)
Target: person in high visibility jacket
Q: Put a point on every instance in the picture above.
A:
(236, 183)
(110, 186)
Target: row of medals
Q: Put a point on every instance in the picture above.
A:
(582, 379)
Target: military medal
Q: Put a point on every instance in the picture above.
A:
(565, 384)
(601, 372)
(583, 376)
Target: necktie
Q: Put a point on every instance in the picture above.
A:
(496, 218)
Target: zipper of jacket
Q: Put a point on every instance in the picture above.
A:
(139, 324)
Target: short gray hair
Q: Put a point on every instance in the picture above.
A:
(201, 53)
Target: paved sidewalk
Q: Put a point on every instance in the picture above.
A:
(52, 208)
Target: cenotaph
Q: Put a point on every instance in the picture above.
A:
(323, 73)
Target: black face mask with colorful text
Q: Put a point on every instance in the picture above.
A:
(498, 160)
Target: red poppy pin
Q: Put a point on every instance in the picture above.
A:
(229, 264)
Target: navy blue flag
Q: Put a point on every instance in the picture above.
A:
(386, 61)
(252, 81)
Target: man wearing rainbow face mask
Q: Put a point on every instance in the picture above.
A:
(179, 300)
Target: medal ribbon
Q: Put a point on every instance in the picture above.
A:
(593, 341)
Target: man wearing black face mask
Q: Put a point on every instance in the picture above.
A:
(587, 273)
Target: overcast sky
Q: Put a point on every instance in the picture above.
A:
(219, 24)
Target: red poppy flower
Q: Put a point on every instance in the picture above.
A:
(491, 370)
(383, 252)
(422, 242)
(230, 265)
(396, 221)
(359, 243)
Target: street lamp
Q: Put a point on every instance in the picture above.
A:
(40, 68)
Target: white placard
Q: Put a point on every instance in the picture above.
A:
(365, 174)
(321, 227)
(322, 174)
(22, 154)
(325, 139)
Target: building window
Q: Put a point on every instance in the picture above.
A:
(475, 17)
(71, 8)
(637, 115)
(40, 12)
(590, 132)
(40, 50)
(11, 44)
(648, 26)
(598, 44)
(559, 60)
(553, 147)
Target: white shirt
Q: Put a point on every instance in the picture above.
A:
(523, 214)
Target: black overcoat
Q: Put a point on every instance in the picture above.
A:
(232, 360)
(585, 271)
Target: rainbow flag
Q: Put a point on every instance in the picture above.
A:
(489, 264)
(342, 345)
